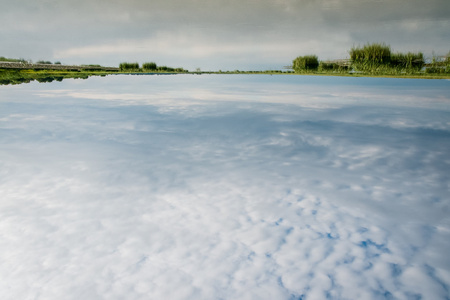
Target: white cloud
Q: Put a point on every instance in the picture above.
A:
(237, 198)
(212, 50)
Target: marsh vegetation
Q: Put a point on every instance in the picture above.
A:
(375, 59)
(378, 59)
(305, 63)
(26, 76)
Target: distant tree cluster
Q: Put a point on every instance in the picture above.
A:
(148, 67)
(24, 61)
(153, 67)
(20, 60)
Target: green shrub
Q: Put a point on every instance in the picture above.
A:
(447, 62)
(408, 60)
(305, 63)
(324, 66)
(332, 67)
(149, 66)
(129, 67)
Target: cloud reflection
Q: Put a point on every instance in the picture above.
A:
(236, 197)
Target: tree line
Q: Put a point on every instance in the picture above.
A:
(148, 67)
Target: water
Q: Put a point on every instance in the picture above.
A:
(225, 187)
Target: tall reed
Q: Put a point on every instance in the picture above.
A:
(370, 58)
(408, 60)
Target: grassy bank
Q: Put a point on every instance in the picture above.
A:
(8, 76)
(372, 60)
(25, 76)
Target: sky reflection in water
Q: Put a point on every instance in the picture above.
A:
(225, 187)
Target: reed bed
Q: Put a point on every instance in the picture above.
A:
(377, 58)
(332, 67)
(408, 60)
(371, 54)
(305, 63)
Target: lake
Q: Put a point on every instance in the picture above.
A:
(225, 187)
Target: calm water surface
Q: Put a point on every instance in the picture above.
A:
(225, 187)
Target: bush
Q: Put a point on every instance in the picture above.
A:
(435, 70)
(332, 67)
(129, 67)
(149, 66)
(408, 61)
(165, 69)
(305, 63)
(324, 66)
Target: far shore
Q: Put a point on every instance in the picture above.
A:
(26, 73)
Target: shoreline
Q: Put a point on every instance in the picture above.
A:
(18, 76)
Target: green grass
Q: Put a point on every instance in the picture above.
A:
(8, 76)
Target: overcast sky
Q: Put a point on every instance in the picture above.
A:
(216, 34)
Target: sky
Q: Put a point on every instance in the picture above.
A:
(217, 34)
(225, 187)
